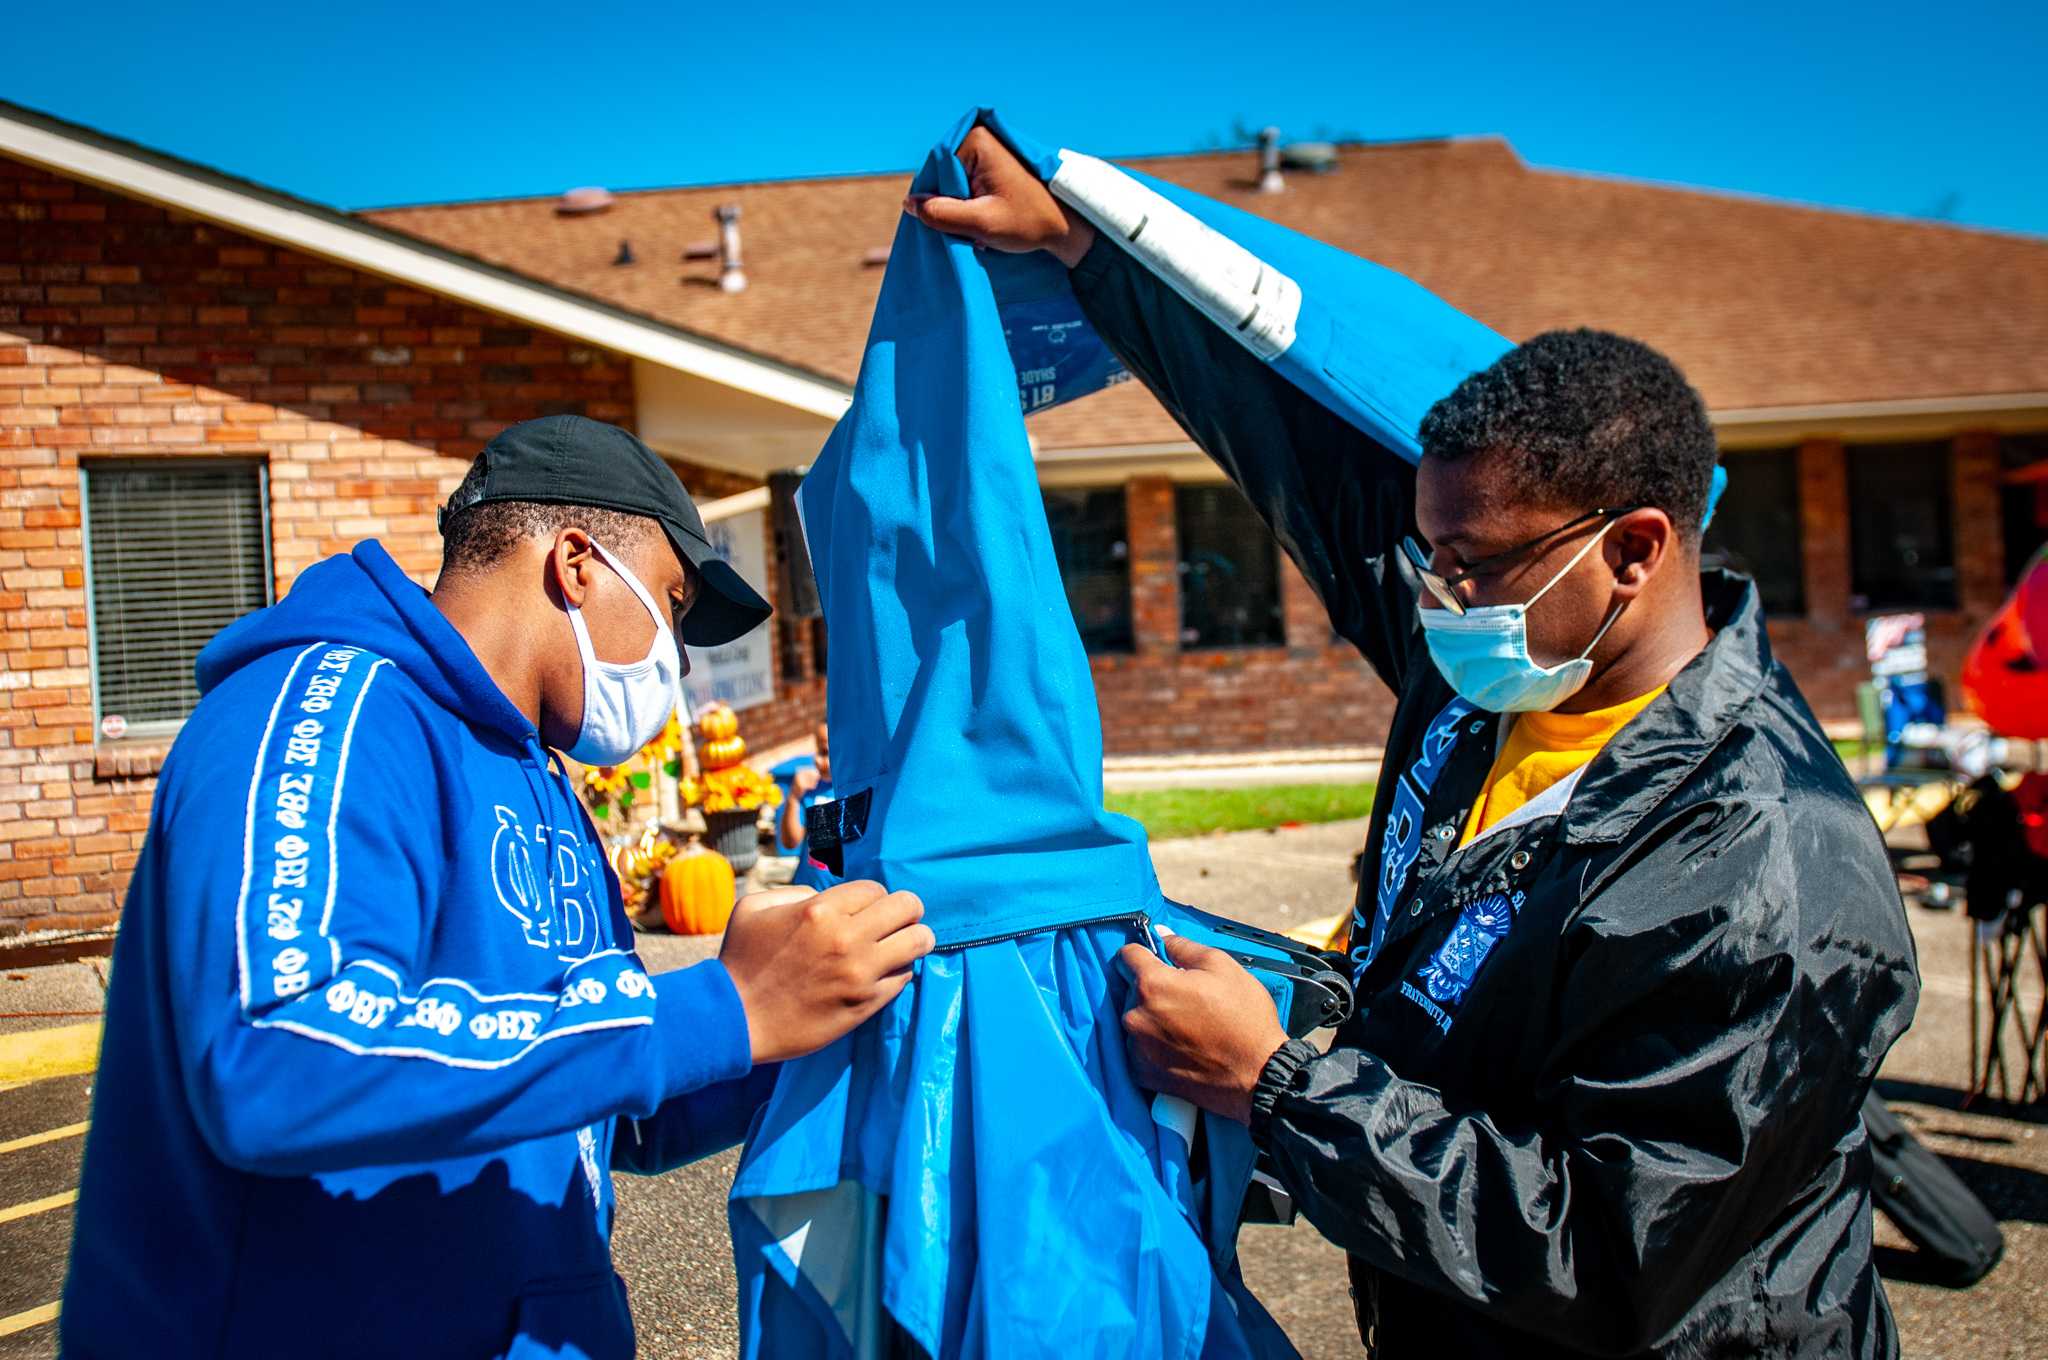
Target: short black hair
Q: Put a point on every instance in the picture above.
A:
(1588, 419)
(476, 537)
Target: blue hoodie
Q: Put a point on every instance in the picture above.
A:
(374, 1013)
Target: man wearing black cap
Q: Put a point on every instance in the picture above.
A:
(376, 1033)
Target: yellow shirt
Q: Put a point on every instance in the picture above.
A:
(1540, 750)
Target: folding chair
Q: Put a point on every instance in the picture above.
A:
(2006, 887)
(2004, 949)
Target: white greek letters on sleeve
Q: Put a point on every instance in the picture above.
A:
(292, 971)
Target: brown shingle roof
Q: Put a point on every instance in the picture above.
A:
(1763, 303)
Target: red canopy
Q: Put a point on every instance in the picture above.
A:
(2005, 680)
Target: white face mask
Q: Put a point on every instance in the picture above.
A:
(626, 704)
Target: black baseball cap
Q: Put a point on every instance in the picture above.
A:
(573, 460)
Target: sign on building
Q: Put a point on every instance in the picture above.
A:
(742, 672)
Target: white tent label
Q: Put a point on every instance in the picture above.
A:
(1230, 285)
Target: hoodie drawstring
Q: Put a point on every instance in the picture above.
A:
(539, 758)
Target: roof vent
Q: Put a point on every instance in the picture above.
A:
(1270, 181)
(874, 257)
(1318, 158)
(625, 255)
(578, 202)
(731, 278)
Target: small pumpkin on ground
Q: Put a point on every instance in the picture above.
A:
(697, 892)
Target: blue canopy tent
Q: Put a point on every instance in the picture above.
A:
(974, 1171)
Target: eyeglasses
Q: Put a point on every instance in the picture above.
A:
(1444, 588)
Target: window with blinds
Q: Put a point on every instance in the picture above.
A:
(175, 551)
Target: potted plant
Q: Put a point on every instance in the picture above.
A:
(728, 793)
(645, 786)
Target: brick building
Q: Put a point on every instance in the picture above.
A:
(192, 412)
(1877, 384)
(205, 386)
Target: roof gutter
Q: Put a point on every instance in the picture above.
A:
(730, 506)
(1994, 403)
(1902, 418)
(138, 172)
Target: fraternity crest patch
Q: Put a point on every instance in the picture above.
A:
(1441, 983)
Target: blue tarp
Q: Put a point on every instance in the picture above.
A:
(975, 1169)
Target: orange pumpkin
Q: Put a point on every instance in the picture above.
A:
(724, 752)
(717, 722)
(697, 892)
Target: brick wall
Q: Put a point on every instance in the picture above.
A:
(1824, 648)
(1159, 698)
(126, 330)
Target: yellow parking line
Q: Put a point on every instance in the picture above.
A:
(33, 1317)
(50, 1136)
(39, 1054)
(37, 1206)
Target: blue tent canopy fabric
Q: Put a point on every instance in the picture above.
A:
(1372, 345)
(975, 1172)
(1369, 344)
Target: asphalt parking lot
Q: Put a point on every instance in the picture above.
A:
(671, 1240)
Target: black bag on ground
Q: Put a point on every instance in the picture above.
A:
(1958, 1238)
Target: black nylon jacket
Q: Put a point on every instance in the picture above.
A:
(1602, 1093)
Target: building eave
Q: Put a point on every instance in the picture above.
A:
(1918, 417)
(1902, 418)
(138, 172)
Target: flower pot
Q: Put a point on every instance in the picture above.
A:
(733, 834)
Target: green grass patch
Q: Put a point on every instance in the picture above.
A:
(1167, 813)
(1170, 813)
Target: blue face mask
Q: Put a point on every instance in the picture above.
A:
(1484, 652)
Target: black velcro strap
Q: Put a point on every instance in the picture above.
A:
(830, 827)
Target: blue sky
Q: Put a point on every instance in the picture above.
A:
(1927, 110)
